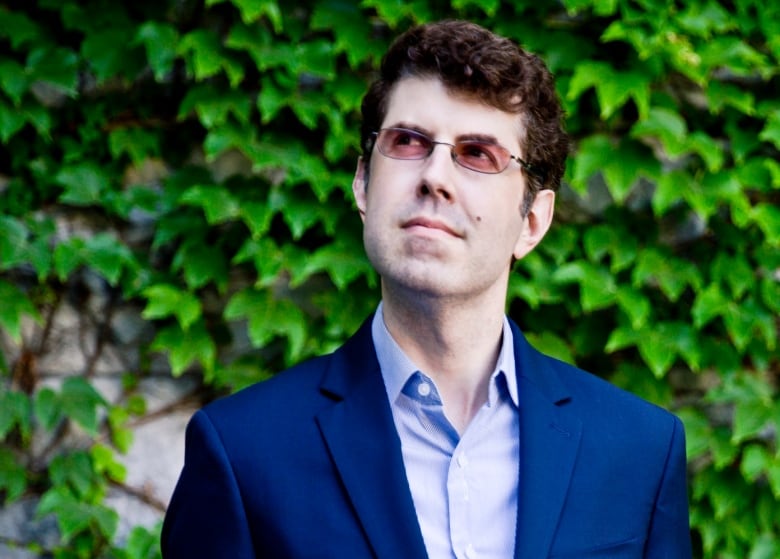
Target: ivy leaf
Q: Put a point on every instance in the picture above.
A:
(215, 201)
(15, 305)
(709, 304)
(201, 263)
(138, 143)
(13, 477)
(47, 408)
(84, 184)
(11, 121)
(771, 131)
(105, 463)
(343, 260)
(56, 66)
(13, 80)
(635, 305)
(767, 217)
(666, 125)
(750, 418)
(18, 28)
(160, 41)
(13, 242)
(598, 289)
(252, 10)
(167, 300)
(14, 411)
(672, 275)
(107, 255)
(185, 348)
(755, 461)
(550, 344)
(80, 402)
(269, 317)
(108, 52)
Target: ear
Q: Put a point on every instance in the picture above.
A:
(537, 222)
(359, 187)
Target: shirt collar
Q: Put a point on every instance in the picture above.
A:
(397, 368)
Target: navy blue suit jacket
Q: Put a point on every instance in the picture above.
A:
(308, 465)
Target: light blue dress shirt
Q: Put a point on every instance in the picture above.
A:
(465, 488)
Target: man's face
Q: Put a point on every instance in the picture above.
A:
(433, 226)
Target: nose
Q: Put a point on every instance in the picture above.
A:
(438, 173)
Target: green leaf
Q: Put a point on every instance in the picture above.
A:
(269, 317)
(107, 51)
(771, 131)
(343, 260)
(74, 471)
(767, 217)
(656, 268)
(80, 402)
(47, 407)
(14, 412)
(68, 256)
(709, 304)
(635, 305)
(11, 121)
(750, 418)
(13, 477)
(13, 79)
(206, 57)
(107, 255)
(105, 463)
(597, 285)
(755, 461)
(160, 41)
(56, 66)
(139, 143)
(167, 300)
(15, 305)
(185, 348)
(13, 242)
(84, 184)
(550, 344)
(18, 28)
(201, 264)
(666, 125)
(215, 201)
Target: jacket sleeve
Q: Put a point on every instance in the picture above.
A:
(669, 536)
(206, 517)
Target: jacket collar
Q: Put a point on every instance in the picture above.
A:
(549, 442)
(361, 437)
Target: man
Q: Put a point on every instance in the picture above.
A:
(437, 430)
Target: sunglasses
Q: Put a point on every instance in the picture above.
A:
(477, 155)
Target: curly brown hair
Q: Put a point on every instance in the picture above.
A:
(472, 61)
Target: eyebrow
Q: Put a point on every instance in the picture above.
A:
(469, 137)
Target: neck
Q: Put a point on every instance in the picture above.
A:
(456, 343)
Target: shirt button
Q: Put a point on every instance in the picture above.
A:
(423, 389)
(463, 460)
(470, 552)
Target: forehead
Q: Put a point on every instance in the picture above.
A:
(425, 103)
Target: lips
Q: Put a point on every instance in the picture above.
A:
(430, 223)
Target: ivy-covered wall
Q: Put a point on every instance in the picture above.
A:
(175, 207)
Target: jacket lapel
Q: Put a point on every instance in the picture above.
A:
(360, 434)
(549, 441)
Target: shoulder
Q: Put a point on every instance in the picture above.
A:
(593, 399)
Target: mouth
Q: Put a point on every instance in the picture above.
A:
(430, 224)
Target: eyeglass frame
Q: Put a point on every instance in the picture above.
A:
(532, 169)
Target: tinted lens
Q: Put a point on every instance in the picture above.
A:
(403, 144)
(482, 156)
